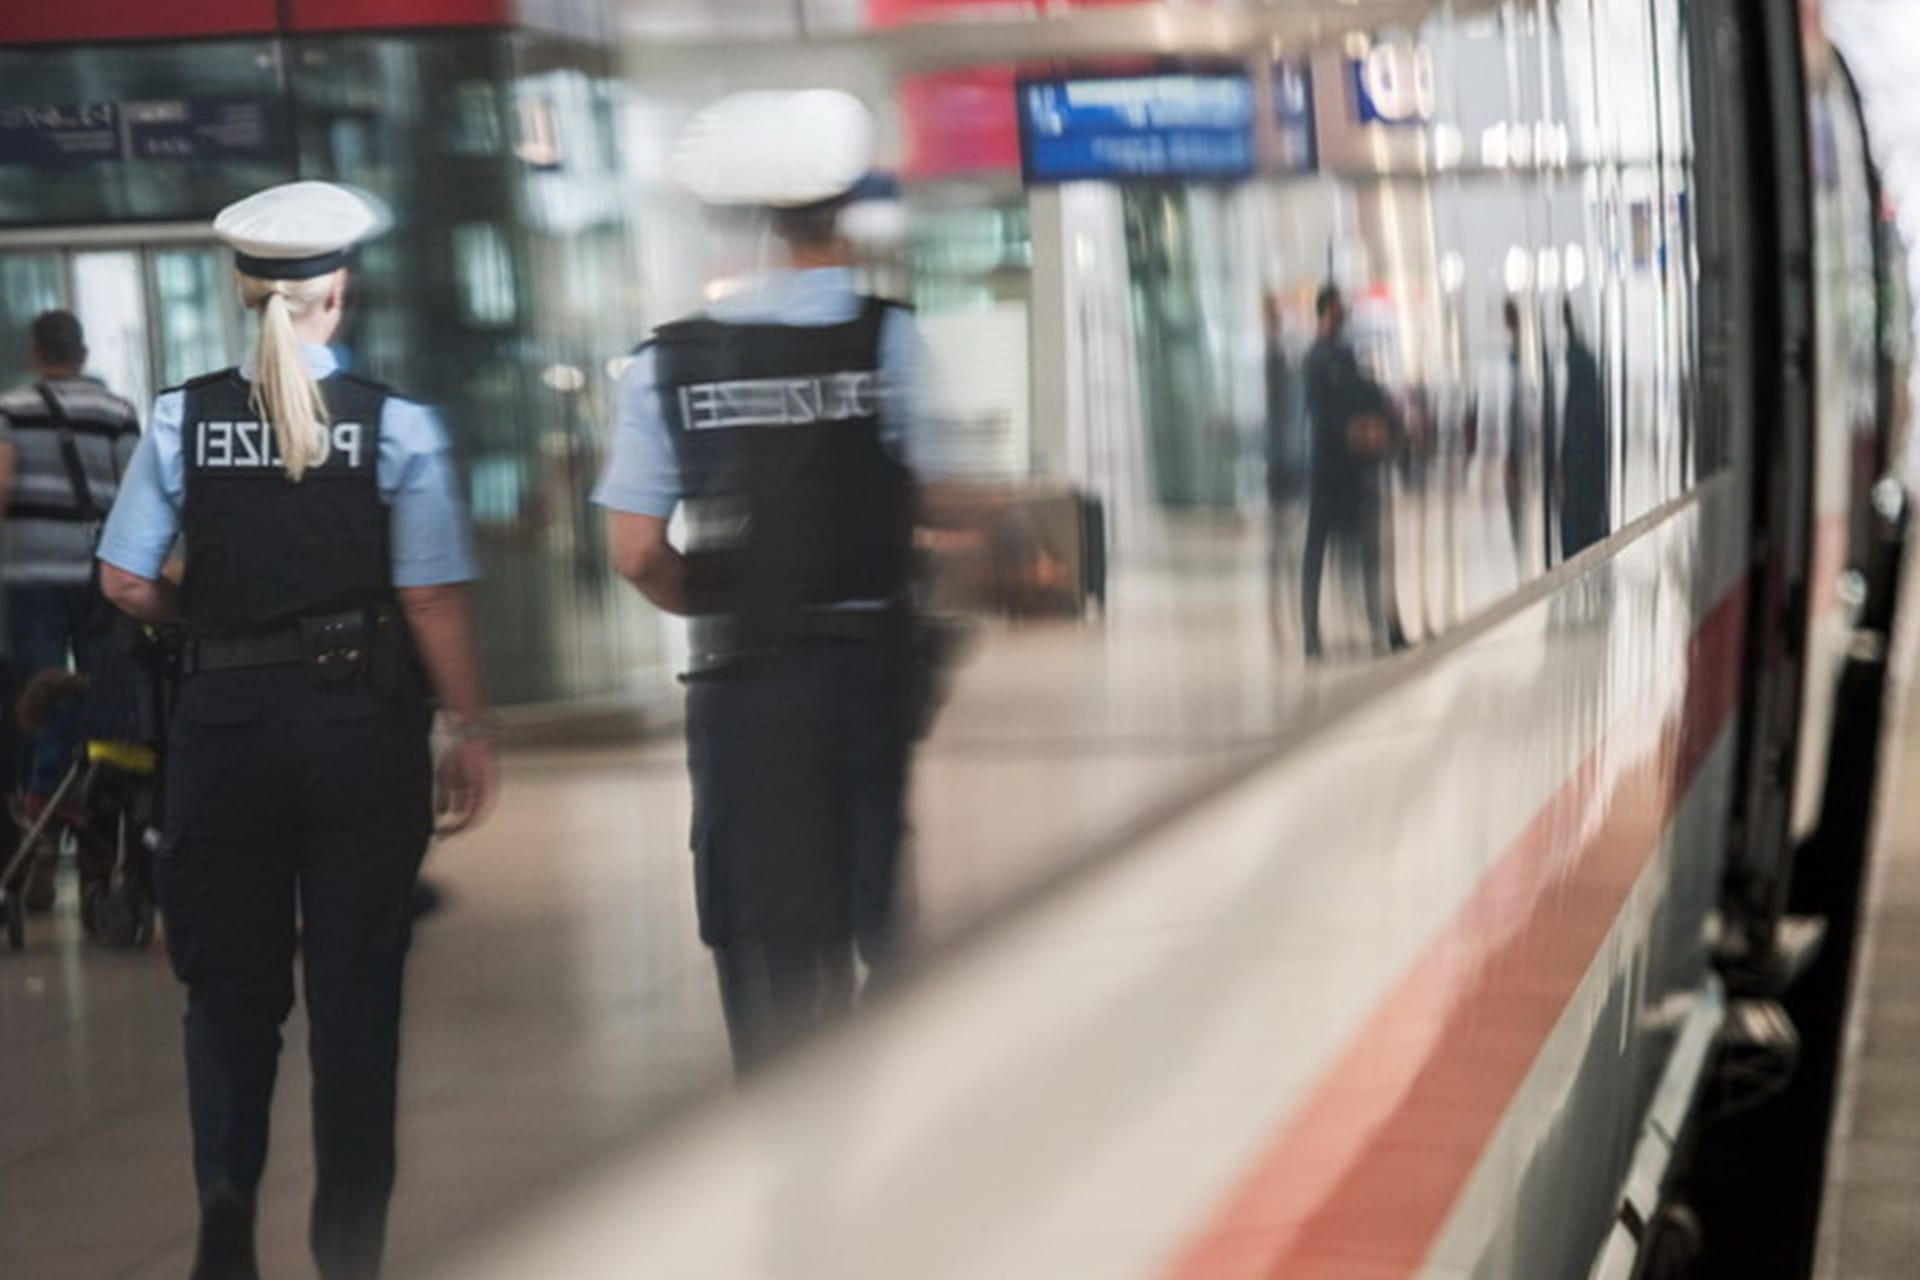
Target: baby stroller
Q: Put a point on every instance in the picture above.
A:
(107, 806)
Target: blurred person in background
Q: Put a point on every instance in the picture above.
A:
(1584, 501)
(1352, 424)
(783, 422)
(1284, 448)
(65, 440)
(327, 558)
(1517, 423)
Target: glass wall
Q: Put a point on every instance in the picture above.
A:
(30, 282)
(1384, 328)
(502, 295)
(154, 315)
(970, 264)
(1501, 201)
(139, 132)
(197, 320)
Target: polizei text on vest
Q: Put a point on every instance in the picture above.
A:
(239, 446)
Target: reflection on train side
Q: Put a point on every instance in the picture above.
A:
(1399, 357)
(1250, 373)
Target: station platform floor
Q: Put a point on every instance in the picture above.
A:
(560, 1004)
(1870, 1216)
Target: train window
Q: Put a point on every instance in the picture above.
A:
(1895, 307)
(1676, 262)
(1845, 328)
(1219, 417)
(1581, 436)
(1481, 218)
(1630, 196)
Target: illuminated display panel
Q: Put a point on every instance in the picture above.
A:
(1190, 127)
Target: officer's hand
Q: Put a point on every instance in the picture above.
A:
(467, 781)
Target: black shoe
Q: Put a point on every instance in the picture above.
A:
(226, 1239)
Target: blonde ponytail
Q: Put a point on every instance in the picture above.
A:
(285, 394)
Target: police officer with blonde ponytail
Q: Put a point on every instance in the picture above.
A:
(325, 608)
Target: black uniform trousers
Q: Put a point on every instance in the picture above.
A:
(297, 817)
(799, 761)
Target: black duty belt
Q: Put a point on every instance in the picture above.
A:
(341, 640)
(228, 653)
(719, 642)
(884, 622)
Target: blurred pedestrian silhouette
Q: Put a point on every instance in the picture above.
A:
(65, 441)
(1285, 455)
(1514, 469)
(1583, 446)
(1353, 432)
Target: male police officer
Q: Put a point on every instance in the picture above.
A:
(781, 422)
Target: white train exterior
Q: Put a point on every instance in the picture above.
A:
(1433, 979)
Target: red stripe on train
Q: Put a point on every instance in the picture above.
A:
(1361, 1180)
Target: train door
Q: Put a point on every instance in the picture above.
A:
(157, 303)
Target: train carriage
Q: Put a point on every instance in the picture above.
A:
(1443, 976)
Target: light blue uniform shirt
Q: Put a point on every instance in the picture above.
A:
(432, 545)
(642, 476)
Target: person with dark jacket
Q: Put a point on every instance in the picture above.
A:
(1584, 492)
(1352, 425)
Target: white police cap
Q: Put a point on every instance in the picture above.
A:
(783, 149)
(298, 230)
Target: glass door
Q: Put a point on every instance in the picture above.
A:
(155, 314)
(30, 282)
(198, 323)
(1178, 256)
(109, 299)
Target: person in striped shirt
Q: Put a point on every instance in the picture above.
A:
(65, 440)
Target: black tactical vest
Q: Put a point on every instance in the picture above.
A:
(263, 551)
(794, 503)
